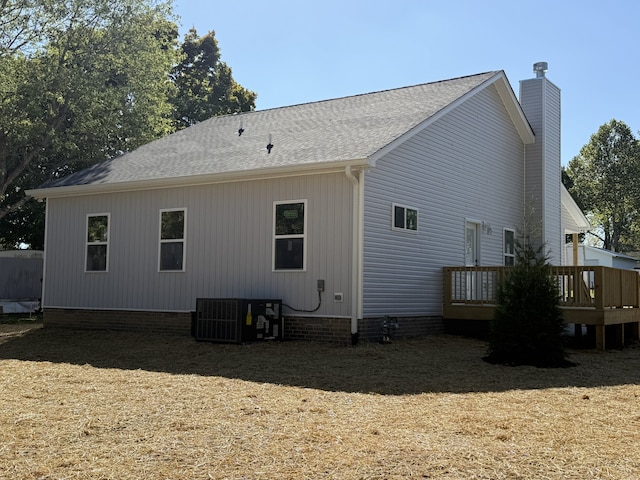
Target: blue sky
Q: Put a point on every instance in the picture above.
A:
(298, 51)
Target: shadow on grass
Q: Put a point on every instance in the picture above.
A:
(436, 364)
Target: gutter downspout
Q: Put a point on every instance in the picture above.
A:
(356, 250)
(45, 256)
(525, 189)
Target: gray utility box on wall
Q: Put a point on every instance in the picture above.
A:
(237, 320)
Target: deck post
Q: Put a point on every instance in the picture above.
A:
(600, 338)
(577, 330)
(448, 294)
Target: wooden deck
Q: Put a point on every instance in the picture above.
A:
(605, 299)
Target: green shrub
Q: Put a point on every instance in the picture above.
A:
(527, 326)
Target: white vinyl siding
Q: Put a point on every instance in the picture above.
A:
(467, 164)
(229, 245)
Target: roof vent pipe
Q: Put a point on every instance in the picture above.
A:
(540, 68)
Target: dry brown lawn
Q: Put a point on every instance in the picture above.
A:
(109, 405)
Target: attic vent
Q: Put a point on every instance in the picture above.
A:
(540, 69)
(269, 145)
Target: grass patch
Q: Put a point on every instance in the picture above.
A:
(20, 318)
(16, 324)
(87, 404)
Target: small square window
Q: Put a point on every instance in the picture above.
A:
(405, 218)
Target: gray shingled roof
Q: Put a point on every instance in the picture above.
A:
(325, 132)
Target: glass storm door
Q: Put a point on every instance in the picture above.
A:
(471, 259)
(471, 245)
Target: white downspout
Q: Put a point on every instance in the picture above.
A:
(356, 250)
(525, 190)
(44, 259)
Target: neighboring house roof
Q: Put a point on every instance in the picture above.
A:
(21, 253)
(354, 130)
(595, 253)
(609, 253)
(573, 219)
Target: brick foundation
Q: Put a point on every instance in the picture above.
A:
(319, 329)
(370, 329)
(160, 322)
(335, 330)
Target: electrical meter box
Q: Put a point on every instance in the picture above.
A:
(238, 320)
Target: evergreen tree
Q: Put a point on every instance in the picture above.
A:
(527, 326)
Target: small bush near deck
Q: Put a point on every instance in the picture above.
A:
(527, 326)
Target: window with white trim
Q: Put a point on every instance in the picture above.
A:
(289, 235)
(509, 247)
(172, 239)
(97, 251)
(404, 218)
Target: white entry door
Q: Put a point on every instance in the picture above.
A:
(471, 259)
(471, 245)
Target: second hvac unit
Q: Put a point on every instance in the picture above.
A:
(237, 320)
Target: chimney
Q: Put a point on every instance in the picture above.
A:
(540, 101)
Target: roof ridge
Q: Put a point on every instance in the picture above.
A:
(367, 93)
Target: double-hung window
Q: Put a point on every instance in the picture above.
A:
(289, 235)
(172, 239)
(97, 251)
(404, 218)
(509, 247)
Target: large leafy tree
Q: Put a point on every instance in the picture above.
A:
(204, 83)
(82, 81)
(604, 182)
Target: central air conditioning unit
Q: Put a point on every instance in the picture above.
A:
(238, 320)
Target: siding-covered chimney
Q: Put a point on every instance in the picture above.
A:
(540, 100)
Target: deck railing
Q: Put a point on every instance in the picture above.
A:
(580, 287)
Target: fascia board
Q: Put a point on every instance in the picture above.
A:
(195, 180)
(573, 209)
(514, 109)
